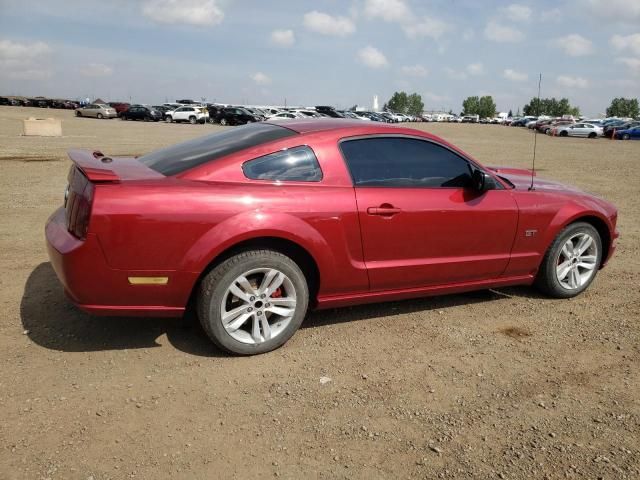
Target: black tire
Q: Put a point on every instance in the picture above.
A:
(168, 119)
(193, 120)
(223, 122)
(626, 136)
(212, 120)
(99, 116)
(593, 135)
(78, 114)
(564, 133)
(123, 117)
(546, 280)
(215, 284)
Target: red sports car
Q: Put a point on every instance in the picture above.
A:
(256, 224)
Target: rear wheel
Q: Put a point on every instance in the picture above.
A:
(626, 136)
(223, 122)
(253, 302)
(593, 135)
(572, 261)
(78, 114)
(564, 133)
(100, 116)
(168, 119)
(193, 120)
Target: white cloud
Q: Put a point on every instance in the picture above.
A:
(475, 69)
(200, 13)
(631, 42)
(328, 25)
(497, 32)
(415, 70)
(632, 63)
(19, 51)
(96, 70)
(427, 27)
(575, 45)
(24, 60)
(260, 78)
(372, 57)
(456, 75)
(517, 12)
(616, 11)
(515, 76)
(434, 97)
(388, 10)
(551, 15)
(283, 38)
(572, 82)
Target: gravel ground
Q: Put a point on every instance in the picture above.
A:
(494, 384)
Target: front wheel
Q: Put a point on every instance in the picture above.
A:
(572, 261)
(192, 120)
(626, 136)
(253, 302)
(100, 117)
(223, 122)
(593, 135)
(168, 119)
(564, 133)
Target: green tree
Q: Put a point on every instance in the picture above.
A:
(487, 107)
(624, 107)
(398, 102)
(484, 107)
(415, 106)
(471, 106)
(551, 107)
(510, 114)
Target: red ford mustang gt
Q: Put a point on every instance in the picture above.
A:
(256, 224)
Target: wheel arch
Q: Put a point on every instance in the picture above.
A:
(299, 254)
(597, 222)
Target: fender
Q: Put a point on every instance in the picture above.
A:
(569, 214)
(255, 224)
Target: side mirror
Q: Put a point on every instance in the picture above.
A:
(480, 181)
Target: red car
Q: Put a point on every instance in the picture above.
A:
(257, 223)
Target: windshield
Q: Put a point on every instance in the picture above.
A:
(183, 156)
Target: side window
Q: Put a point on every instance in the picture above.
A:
(297, 164)
(404, 162)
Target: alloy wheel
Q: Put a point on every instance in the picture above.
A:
(576, 262)
(258, 305)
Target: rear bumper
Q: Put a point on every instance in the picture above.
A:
(95, 287)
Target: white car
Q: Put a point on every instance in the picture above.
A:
(191, 113)
(579, 130)
(285, 116)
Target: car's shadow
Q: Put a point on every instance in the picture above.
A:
(51, 321)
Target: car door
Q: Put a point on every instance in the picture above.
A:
(421, 224)
(578, 130)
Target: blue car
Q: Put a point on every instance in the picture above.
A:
(629, 134)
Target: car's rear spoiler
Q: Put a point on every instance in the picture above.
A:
(99, 168)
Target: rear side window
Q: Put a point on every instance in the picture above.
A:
(183, 156)
(404, 162)
(297, 164)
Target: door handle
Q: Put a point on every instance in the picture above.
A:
(383, 210)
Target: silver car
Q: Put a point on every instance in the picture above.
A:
(96, 110)
(579, 130)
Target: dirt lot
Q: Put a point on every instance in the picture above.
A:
(494, 384)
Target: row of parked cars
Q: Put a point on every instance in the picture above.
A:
(40, 102)
(194, 113)
(568, 126)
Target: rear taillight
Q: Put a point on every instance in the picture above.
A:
(78, 200)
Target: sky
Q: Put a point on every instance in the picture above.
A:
(322, 52)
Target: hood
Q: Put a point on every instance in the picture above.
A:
(523, 182)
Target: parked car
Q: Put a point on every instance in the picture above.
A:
(578, 130)
(119, 107)
(163, 109)
(255, 228)
(284, 116)
(629, 134)
(191, 114)
(609, 129)
(328, 111)
(548, 128)
(235, 116)
(96, 110)
(141, 112)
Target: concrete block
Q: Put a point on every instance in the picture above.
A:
(43, 127)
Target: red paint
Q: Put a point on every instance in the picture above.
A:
(370, 244)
